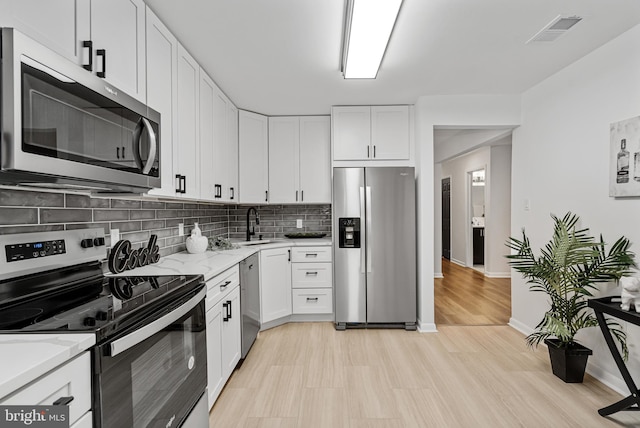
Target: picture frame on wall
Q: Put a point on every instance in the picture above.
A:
(624, 158)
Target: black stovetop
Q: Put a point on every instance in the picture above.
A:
(81, 299)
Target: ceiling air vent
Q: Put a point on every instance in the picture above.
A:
(555, 29)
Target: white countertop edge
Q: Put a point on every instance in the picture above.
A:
(212, 263)
(26, 357)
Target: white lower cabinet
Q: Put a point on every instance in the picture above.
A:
(312, 285)
(70, 380)
(275, 284)
(223, 330)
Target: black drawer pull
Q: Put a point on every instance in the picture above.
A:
(225, 284)
(312, 299)
(225, 318)
(311, 255)
(63, 401)
(312, 273)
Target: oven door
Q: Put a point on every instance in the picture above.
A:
(155, 375)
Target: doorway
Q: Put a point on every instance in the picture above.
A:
(446, 218)
(476, 210)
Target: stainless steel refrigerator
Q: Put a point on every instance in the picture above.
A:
(374, 221)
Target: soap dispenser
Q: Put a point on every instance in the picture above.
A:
(196, 243)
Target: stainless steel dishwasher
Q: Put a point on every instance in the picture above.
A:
(250, 301)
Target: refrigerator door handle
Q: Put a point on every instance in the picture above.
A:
(368, 229)
(363, 260)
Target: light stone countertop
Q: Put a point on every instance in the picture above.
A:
(26, 357)
(212, 263)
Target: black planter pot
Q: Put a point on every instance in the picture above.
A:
(568, 363)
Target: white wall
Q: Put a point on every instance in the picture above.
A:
(470, 111)
(561, 163)
(498, 212)
(457, 169)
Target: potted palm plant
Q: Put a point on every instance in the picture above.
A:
(569, 268)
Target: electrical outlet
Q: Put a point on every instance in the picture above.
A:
(181, 229)
(299, 223)
(115, 236)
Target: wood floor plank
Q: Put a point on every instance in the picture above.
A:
(465, 296)
(462, 376)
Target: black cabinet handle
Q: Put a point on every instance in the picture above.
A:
(230, 315)
(312, 273)
(225, 284)
(233, 193)
(374, 151)
(63, 401)
(88, 44)
(289, 257)
(312, 299)
(367, 151)
(266, 196)
(117, 152)
(184, 184)
(225, 318)
(302, 196)
(123, 156)
(103, 54)
(178, 183)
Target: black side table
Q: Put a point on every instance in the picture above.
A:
(605, 305)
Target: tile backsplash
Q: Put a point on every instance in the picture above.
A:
(23, 211)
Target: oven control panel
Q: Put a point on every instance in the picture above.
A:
(27, 253)
(32, 250)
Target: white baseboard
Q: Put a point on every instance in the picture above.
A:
(521, 327)
(458, 262)
(497, 274)
(438, 275)
(426, 327)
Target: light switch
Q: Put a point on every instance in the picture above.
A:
(527, 204)
(299, 223)
(180, 229)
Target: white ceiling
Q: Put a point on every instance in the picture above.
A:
(282, 57)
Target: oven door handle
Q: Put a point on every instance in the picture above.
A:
(120, 345)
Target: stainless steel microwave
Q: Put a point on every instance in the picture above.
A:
(64, 127)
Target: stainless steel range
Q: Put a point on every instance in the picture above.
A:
(149, 362)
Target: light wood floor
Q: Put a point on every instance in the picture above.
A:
(466, 297)
(309, 375)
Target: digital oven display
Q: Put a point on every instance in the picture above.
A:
(32, 250)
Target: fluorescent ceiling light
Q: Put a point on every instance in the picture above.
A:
(368, 26)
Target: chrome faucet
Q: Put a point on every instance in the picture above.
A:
(251, 230)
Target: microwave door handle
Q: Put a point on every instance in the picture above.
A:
(129, 341)
(153, 145)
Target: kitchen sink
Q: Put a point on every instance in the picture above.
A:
(253, 242)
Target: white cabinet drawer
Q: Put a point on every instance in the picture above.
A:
(311, 275)
(312, 301)
(311, 254)
(85, 421)
(72, 379)
(220, 285)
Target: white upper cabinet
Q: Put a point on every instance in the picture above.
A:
(107, 37)
(284, 146)
(186, 147)
(315, 159)
(299, 159)
(162, 92)
(390, 132)
(61, 25)
(371, 133)
(207, 93)
(231, 193)
(253, 158)
(117, 33)
(351, 132)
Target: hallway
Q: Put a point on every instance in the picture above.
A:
(466, 297)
